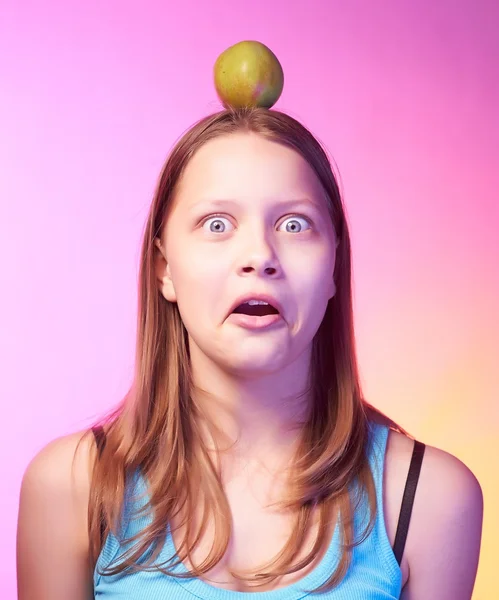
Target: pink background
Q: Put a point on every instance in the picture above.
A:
(404, 94)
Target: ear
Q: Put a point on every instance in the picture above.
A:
(163, 274)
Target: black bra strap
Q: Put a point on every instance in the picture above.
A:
(408, 499)
(100, 440)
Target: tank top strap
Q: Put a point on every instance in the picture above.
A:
(100, 440)
(377, 455)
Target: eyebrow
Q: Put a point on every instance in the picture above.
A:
(229, 202)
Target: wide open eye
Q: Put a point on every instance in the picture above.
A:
(216, 224)
(295, 224)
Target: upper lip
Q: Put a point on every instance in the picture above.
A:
(254, 296)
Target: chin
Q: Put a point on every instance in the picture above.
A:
(252, 367)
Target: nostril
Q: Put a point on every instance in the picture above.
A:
(267, 270)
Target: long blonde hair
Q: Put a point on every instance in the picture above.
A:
(153, 429)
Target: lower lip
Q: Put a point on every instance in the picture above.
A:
(254, 322)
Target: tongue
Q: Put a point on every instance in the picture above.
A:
(258, 310)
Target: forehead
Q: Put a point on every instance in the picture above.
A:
(246, 165)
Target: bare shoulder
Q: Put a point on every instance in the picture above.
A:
(61, 469)
(67, 455)
(443, 542)
(52, 521)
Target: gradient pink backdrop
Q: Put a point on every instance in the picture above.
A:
(405, 95)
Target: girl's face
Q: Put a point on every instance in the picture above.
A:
(249, 219)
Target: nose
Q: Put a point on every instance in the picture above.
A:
(260, 258)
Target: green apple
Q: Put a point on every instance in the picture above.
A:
(248, 74)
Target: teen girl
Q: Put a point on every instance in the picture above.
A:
(245, 462)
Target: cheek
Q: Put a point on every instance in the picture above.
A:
(314, 269)
(198, 281)
(314, 283)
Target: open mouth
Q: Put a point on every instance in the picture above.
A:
(256, 308)
(257, 314)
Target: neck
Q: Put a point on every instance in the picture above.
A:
(249, 415)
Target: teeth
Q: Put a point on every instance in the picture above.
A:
(255, 302)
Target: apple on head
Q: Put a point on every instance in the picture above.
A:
(248, 74)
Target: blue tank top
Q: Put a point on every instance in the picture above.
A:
(374, 573)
